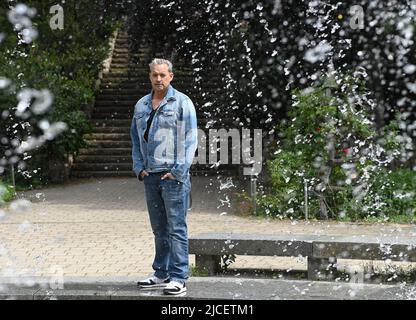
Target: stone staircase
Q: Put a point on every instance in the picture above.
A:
(109, 146)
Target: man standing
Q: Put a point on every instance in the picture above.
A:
(164, 141)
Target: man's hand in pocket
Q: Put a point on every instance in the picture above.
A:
(168, 176)
(143, 174)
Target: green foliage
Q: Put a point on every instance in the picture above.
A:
(397, 190)
(197, 272)
(7, 193)
(331, 147)
(67, 63)
(72, 141)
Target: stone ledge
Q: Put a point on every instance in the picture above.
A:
(200, 288)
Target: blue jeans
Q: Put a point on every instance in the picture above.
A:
(167, 203)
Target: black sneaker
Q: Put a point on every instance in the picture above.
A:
(153, 282)
(175, 288)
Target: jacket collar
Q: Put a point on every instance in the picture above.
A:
(170, 95)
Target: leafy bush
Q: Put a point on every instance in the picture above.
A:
(396, 191)
(6, 193)
(331, 148)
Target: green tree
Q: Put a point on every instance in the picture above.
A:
(65, 62)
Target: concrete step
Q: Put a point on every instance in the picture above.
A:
(124, 48)
(97, 174)
(124, 163)
(110, 116)
(109, 94)
(128, 54)
(127, 44)
(143, 61)
(101, 119)
(144, 84)
(127, 100)
(105, 151)
(108, 144)
(125, 82)
(104, 159)
(143, 77)
(117, 92)
(119, 119)
(139, 70)
(137, 56)
(118, 97)
(111, 123)
(127, 60)
(130, 173)
(106, 102)
(119, 68)
(134, 57)
(125, 89)
(102, 166)
(112, 130)
(122, 52)
(143, 46)
(124, 67)
(110, 91)
(131, 56)
(106, 94)
(128, 89)
(144, 69)
(108, 136)
(121, 112)
(115, 108)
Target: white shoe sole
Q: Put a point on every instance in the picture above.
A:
(183, 292)
(153, 286)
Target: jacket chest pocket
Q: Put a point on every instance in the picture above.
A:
(167, 118)
(139, 118)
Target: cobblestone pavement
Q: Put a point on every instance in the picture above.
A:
(100, 227)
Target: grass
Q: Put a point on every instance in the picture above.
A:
(196, 272)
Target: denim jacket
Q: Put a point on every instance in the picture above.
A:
(172, 137)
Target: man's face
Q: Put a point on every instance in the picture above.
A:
(160, 77)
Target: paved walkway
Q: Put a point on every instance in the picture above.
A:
(100, 228)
